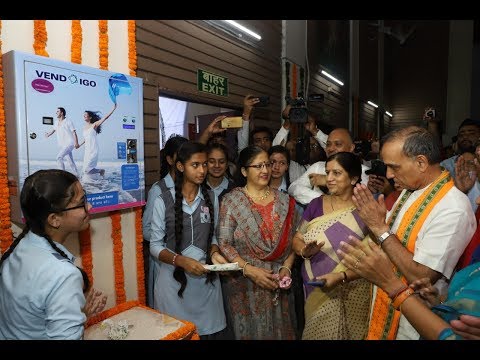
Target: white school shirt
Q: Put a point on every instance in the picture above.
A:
(41, 293)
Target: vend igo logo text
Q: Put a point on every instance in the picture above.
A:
(42, 84)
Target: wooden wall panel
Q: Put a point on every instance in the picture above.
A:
(171, 51)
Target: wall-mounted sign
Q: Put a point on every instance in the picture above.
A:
(212, 83)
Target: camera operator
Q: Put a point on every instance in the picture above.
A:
(316, 153)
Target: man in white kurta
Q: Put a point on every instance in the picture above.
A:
(444, 220)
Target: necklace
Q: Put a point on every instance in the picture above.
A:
(261, 197)
(331, 202)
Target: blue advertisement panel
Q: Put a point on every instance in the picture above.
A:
(81, 119)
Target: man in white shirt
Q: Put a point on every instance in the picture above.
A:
(427, 229)
(307, 187)
(318, 141)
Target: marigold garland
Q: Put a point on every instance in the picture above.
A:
(6, 236)
(132, 65)
(132, 48)
(86, 253)
(118, 257)
(40, 37)
(103, 44)
(77, 38)
(139, 250)
(187, 332)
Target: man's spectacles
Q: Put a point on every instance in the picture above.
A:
(84, 205)
(267, 165)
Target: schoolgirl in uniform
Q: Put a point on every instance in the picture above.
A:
(168, 156)
(218, 178)
(183, 239)
(41, 290)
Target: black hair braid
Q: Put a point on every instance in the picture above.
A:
(86, 281)
(179, 273)
(7, 253)
(211, 275)
(164, 165)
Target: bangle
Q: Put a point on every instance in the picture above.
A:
(173, 261)
(395, 293)
(400, 298)
(301, 254)
(345, 277)
(213, 252)
(285, 267)
(243, 269)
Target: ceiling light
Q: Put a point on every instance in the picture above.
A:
(388, 113)
(373, 104)
(244, 29)
(332, 77)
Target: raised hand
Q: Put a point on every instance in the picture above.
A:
(248, 102)
(465, 177)
(371, 211)
(368, 261)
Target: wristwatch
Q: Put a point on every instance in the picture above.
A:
(384, 236)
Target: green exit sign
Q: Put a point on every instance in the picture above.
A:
(212, 83)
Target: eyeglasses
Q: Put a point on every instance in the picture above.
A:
(267, 165)
(84, 205)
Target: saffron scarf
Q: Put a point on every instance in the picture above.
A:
(385, 319)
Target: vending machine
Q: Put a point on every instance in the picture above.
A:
(77, 118)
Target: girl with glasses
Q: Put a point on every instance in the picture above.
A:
(41, 290)
(255, 229)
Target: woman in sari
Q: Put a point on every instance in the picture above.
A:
(337, 306)
(256, 227)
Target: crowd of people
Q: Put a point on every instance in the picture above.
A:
(327, 249)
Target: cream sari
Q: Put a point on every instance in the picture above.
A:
(342, 312)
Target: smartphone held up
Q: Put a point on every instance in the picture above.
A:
(231, 122)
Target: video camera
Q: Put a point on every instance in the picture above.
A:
(298, 111)
(299, 114)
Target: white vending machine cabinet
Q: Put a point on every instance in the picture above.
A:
(53, 109)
